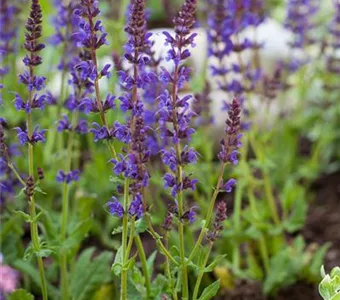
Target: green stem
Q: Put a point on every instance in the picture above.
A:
(124, 240)
(185, 289)
(65, 211)
(200, 275)
(264, 253)
(129, 246)
(143, 261)
(33, 224)
(159, 243)
(237, 223)
(10, 165)
(209, 213)
(266, 181)
(270, 198)
(171, 281)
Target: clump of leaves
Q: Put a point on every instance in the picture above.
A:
(329, 287)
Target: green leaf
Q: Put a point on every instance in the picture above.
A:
(140, 226)
(33, 273)
(297, 218)
(158, 286)
(78, 233)
(214, 263)
(335, 272)
(118, 262)
(336, 297)
(117, 230)
(39, 190)
(210, 291)
(316, 263)
(20, 294)
(325, 289)
(89, 274)
(136, 284)
(25, 216)
(150, 263)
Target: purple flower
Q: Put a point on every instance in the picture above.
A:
(67, 177)
(136, 207)
(174, 113)
(115, 207)
(169, 158)
(299, 21)
(64, 124)
(37, 136)
(122, 133)
(105, 71)
(82, 127)
(9, 27)
(90, 32)
(229, 185)
(100, 132)
(190, 215)
(33, 83)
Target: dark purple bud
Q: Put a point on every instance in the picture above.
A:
(29, 190)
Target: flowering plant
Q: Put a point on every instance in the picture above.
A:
(149, 164)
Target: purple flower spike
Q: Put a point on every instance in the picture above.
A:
(115, 207)
(231, 143)
(228, 187)
(299, 21)
(221, 215)
(90, 32)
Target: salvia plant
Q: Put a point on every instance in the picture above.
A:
(116, 178)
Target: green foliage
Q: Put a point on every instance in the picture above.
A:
(89, 274)
(20, 295)
(329, 287)
(293, 263)
(210, 291)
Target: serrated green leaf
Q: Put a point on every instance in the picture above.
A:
(20, 294)
(89, 274)
(210, 291)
